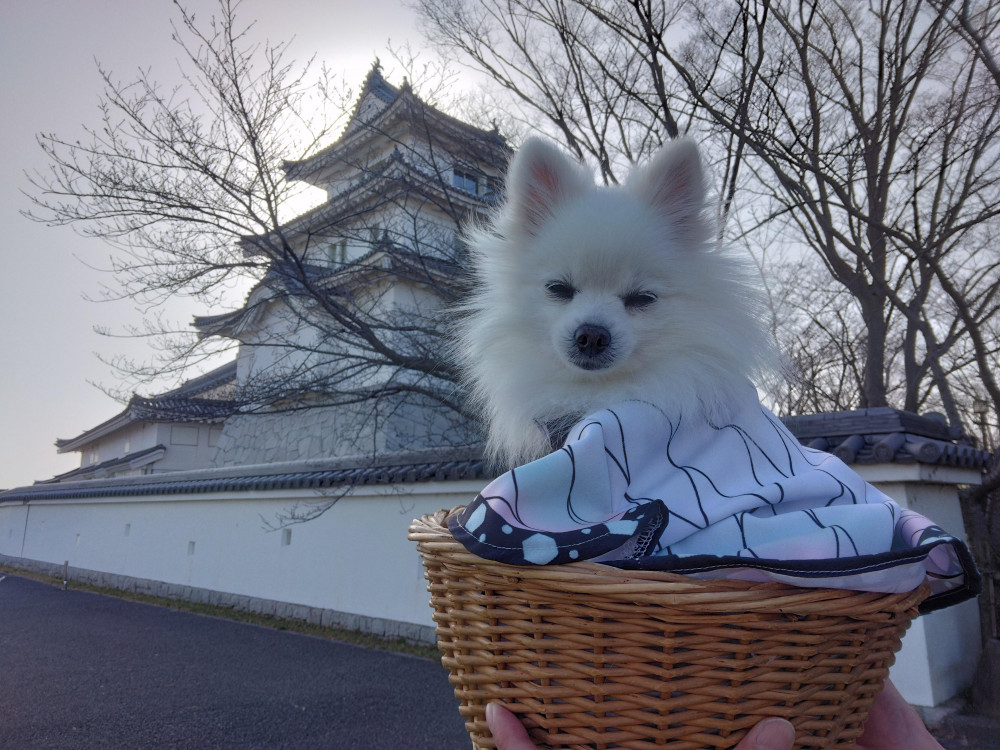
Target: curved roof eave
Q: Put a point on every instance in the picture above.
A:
(401, 109)
(142, 409)
(372, 191)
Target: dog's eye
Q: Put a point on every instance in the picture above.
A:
(638, 300)
(560, 290)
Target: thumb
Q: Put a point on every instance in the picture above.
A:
(770, 734)
(507, 731)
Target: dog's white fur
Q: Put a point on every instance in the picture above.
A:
(689, 339)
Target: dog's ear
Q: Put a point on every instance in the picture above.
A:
(540, 178)
(674, 182)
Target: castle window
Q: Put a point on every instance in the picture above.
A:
(183, 435)
(465, 181)
(338, 253)
(494, 187)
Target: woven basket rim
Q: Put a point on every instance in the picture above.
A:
(433, 538)
(589, 655)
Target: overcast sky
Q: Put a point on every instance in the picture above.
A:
(50, 83)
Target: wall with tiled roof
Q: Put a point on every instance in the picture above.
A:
(885, 435)
(868, 436)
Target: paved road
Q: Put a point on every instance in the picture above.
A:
(81, 671)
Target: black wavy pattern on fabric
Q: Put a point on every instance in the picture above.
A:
(793, 444)
(625, 470)
(689, 470)
(568, 450)
(747, 440)
(643, 550)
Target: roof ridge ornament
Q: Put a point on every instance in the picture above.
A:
(374, 76)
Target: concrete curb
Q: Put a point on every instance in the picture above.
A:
(331, 618)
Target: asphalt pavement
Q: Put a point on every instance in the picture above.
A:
(83, 671)
(80, 670)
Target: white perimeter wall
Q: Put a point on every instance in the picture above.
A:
(941, 649)
(355, 558)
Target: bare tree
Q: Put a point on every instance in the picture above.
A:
(197, 184)
(562, 67)
(858, 146)
(881, 164)
(176, 176)
(862, 133)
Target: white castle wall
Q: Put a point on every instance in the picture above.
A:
(354, 566)
(941, 649)
(354, 560)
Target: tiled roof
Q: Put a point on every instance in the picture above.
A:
(395, 175)
(220, 376)
(257, 478)
(281, 279)
(377, 85)
(285, 279)
(404, 103)
(182, 404)
(136, 459)
(221, 323)
(885, 435)
(180, 409)
(859, 437)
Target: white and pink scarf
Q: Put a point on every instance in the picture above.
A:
(635, 487)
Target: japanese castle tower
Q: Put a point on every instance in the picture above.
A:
(340, 343)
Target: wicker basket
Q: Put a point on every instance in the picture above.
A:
(590, 656)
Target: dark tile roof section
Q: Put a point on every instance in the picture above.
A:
(859, 437)
(180, 409)
(213, 379)
(464, 464)
(182, 404)
(138, 458)
(401, 102)
(885, 435)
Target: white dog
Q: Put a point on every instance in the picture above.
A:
(585, 296)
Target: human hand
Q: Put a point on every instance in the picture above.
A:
(893, 724)
(510, 734)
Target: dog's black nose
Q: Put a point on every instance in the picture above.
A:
(592, 340)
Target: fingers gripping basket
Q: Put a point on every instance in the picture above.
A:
(590, 656)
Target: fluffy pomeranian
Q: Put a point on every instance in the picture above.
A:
(585, 295)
